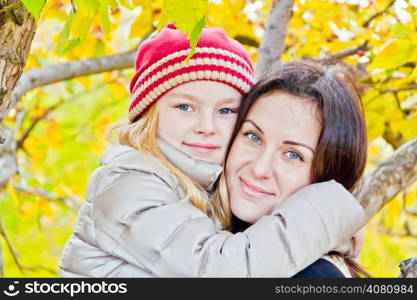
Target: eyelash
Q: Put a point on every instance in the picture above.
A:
(179, 105)
(300, 157)
(247, 133)
(232, 111)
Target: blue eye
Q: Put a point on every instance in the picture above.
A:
(254, 138)
(226, 111)
(185, 107)
(293, 155)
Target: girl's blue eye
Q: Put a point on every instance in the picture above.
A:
(226, 111)
(293, 155)
(254, 138)
(184, 107)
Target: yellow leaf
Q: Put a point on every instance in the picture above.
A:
(118, 89)
(36, 150)
(375, 124)
(45, 207)
(53, 9)
(27, 210)
(414, 74)
(12, 193)
(85, 81)
(143, 3)
(142, 24)
(406, 127)
(102, 125)
(53, 135)
(393, 54)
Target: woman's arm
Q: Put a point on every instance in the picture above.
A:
(141, 220)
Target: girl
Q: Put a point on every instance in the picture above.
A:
(300, 124)
(148, 211)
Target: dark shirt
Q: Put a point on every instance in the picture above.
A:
(321, 268)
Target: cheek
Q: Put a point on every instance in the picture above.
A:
(169, 129)
(226, 126)
(234, 160)
(293, 178)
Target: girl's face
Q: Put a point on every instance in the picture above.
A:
(198, 118)
(272, 154)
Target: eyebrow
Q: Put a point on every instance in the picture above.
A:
(254, 124)
(194, 98)
(299, 144)
(286, 142)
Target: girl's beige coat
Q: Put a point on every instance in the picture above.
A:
(135, 222)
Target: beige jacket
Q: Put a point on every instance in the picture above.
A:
(135, 222)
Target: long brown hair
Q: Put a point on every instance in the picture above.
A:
(341, 150)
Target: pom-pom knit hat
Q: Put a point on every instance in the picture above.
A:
(160, 65)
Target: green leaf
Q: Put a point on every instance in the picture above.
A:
(195, 34)
(188, 16)
(400, 31)
(88, 7)
(104, 13)
(64, 35)
(68, 45)
(34, 7)
(185, 13)
(126, 4)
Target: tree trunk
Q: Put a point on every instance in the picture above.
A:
(17, 28)
(408, 268)
(8, 161)
(273, 41)
(389, 178)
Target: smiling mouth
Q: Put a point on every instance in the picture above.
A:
(202, 148)
(253, 190)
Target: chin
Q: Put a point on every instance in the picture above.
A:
(245, 215)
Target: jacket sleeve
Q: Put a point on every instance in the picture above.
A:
(141, 219)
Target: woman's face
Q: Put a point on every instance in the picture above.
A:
(272, 154)
(198, 118)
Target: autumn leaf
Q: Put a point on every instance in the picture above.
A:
(393, 54)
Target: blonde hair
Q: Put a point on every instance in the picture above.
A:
(141, 135)
(221, 203)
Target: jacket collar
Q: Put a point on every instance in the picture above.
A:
(203, 173)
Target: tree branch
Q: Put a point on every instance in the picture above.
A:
(347, 52)
(11, 248)
(72, 202)
(39, 77)
(273, 42)
(388, 178)
(10, 7)
(408, 88)
(25, 135)
(408, 268)
(370, 19)
(43, 76)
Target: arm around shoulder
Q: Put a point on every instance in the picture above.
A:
(142, 220)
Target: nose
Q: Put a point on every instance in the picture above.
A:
(262, 166)
(205, 124)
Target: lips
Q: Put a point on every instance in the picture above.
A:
(253, 190)
(203, 148)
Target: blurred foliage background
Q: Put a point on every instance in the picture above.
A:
(61, 137)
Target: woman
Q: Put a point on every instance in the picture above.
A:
(300, 124)
(148, 211)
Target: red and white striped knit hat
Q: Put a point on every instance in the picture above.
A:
(160, 65)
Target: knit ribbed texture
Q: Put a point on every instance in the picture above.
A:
(160, 65)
